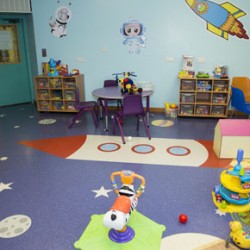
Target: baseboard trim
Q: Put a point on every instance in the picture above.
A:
(154, 110)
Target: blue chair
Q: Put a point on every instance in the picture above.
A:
(132, 106)
(238, 101)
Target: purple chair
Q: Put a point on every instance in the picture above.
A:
(132, 105)
(83, 107)
(106, 84)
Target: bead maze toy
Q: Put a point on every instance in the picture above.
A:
(232, 196)
(122, 227)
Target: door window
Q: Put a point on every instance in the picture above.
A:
(9, 49)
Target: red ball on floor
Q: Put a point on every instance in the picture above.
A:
(183, 218)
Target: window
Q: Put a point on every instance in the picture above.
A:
(9, 49)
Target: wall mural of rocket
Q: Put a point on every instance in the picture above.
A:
(221, 19)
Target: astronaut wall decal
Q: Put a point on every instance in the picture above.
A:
(58, 25)
(133, 33)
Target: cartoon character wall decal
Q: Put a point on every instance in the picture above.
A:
(133, 32)
(221, 19)
(58, 26)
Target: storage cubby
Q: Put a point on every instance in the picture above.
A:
(186, 110)
(57, 94)
(204, 97)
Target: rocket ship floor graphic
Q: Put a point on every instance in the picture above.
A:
(137, 150)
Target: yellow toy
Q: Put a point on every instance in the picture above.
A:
(185, 74)
(167, 106)
(239, 236)
(232, 195)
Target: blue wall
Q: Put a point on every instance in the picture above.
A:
(94, 44)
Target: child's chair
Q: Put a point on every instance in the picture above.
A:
(85, 106)
(242, 83)
(106, 84)
(238, 101)
(132, 105)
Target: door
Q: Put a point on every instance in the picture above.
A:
(15, 85)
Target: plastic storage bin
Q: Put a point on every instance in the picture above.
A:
(186, 109)
(187, 97)
(203, 97)
(219, 98)
(218, 110)
(202, 109)
(171, 112)
(187, 84)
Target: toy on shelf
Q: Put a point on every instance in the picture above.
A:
(53, 67)
(75, 72)
(201, 74)
(239, 236)
(221, 72)
(204, 85)
(186, 74)
(126, 83)
(118, 215)
(232, 195)
(64, 70)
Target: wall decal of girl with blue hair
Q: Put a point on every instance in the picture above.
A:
(133, 32)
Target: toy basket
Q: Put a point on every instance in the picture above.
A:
(171, 112)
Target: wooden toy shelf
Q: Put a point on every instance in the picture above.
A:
(204, 97)
(57, 93)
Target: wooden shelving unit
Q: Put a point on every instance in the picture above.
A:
(204, 97)
(57, 94)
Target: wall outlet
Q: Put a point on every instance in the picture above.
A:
(201, 60)
(104, 50)
(44, 53)
(169, 59)
(80, 59)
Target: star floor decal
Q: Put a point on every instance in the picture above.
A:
(4, 158)
(220, 213)
(5, 186)
(102, 192)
